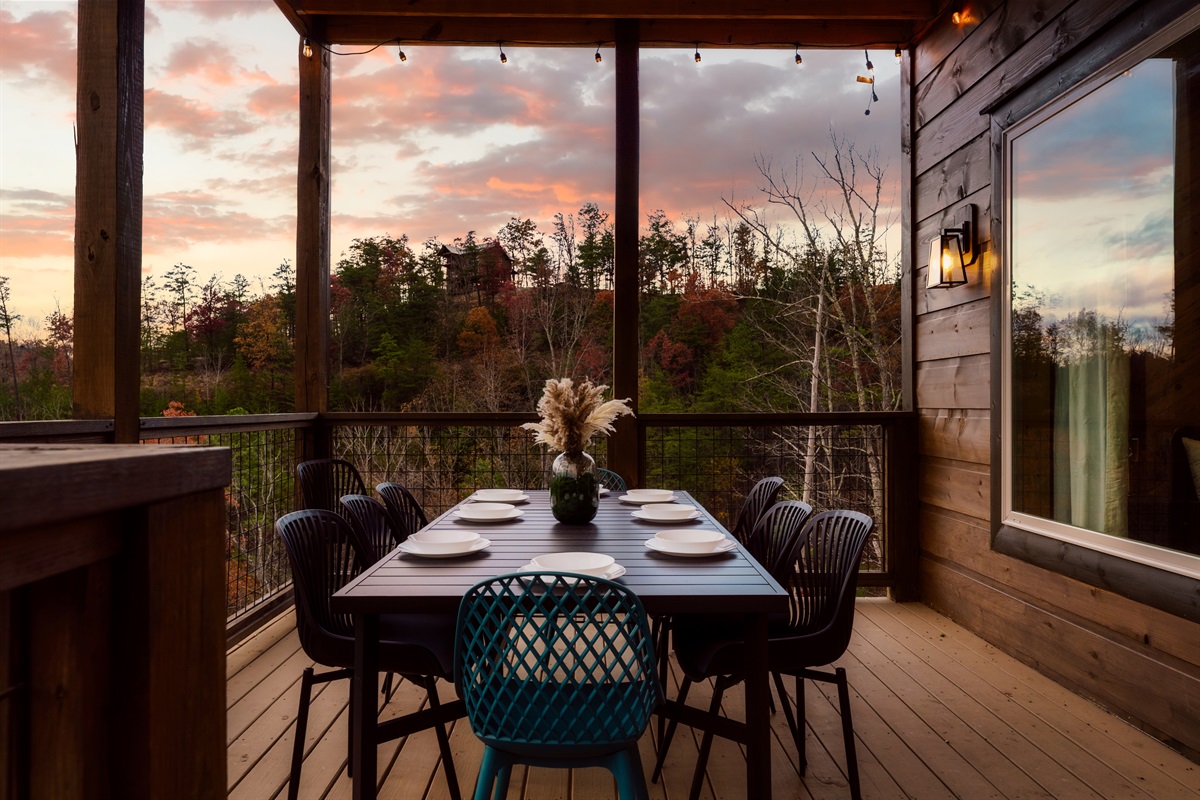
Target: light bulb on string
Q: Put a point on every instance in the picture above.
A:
(307, 48)
(799, 60)
(400, 53)
(503, 58)
(697, 52)
(898, 54)
(598, 56)
(870, 66)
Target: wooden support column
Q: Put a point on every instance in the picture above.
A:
(313, 240)
(623, 444)
(108, 214)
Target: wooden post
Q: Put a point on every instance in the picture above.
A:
(313, 241)
(623, 444)
(108, 214)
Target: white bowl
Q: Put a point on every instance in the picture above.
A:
(444, 541)
(488, 512)
(651, 495)
(500, 496)
(691, 540)
(596, 564)
(667, 512)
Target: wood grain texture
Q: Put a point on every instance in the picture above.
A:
(955, 383)
(956, 486)
(960, 435)
(963, 330)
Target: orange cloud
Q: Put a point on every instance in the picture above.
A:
(196, 124)
(38, 47)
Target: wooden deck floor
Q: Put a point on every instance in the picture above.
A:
(938, 714)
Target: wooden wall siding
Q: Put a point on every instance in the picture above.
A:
(1140, 661)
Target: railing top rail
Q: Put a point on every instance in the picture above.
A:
(54, 427)
(517, 417)
(428, 418)
(162, 427)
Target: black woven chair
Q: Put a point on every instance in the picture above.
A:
(760, 498)
(325, 554)
(374, 524)
(821, 583)
(323, 482)
(407, 514)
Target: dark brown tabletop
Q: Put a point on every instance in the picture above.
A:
(732, 582)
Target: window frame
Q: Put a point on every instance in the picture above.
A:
(1155, 575)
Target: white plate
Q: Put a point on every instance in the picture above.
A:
(500, 496)
(652, 513)
(603, 491)
(645, 501)
(474, 512)
(415, 549)
(660, 546)
(614, 572)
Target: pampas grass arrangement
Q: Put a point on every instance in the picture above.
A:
(572, 413)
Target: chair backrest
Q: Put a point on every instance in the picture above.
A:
(374, 525)
(407, 514)
(323, 481)
(325, 556)
(773, 540)
(610, 480)
(824, 576)
(760, 498)
(555, 660)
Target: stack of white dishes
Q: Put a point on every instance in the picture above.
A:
(667, 512)
(595, 564)
(510, 496)
(443, 543)
(644, 496)
(691, 543)
(603, 491)
(488, 512)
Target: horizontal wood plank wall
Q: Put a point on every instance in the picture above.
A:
(1141, 662)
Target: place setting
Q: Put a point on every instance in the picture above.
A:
(508, 496)
(671, 513)
(638, 497)
(691, 543)
(488, 511)
(596, 565)
(443, 543)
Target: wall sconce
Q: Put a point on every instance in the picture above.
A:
(952, 251)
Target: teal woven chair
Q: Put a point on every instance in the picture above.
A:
(556, 670)
(610, 480)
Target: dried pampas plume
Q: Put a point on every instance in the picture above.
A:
(573, 413)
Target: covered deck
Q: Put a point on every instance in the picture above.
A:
(938, 713)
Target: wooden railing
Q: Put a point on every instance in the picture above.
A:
(845, 461)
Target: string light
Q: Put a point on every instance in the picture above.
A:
(598, 57)
(307, 48)
(697, 52)
(503, 58)
(870, 66)
(400, 52)
(898, 55)
(957, 17)
(799, 60)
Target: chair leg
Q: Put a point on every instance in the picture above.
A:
(443, 740)
(488, 768)
(665, 744)
(306, 682)
(787, 711)
(848, 734)
(660, 634)
(388, 689)
(626, 767)
(706, 743)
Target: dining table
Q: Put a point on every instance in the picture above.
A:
(727, 583)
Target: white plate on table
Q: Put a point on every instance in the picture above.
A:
(663, 546)
(416, 549)
(488, 512)
(666, 513)
(614, 572)
(603, 491)
(508, 496)
(648, 499)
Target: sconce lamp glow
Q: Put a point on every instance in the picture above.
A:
(952, 251)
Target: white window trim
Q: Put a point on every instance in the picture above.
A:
(1164, 558)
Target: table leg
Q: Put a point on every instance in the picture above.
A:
(364, 706)
(758, 712)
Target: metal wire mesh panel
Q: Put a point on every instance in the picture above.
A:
(442, 464)
(263, 489)
(827, 466)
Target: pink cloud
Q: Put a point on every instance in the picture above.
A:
(212, 63)
(197, 125)
(175, 221)
(38, 48)
(36, 223)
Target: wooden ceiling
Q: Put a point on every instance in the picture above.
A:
(587, 23)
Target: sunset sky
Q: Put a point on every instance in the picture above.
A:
(447, 142)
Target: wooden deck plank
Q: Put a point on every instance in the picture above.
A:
(916, 680)
(1143, 761)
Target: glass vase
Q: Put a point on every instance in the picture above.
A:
(574, 488)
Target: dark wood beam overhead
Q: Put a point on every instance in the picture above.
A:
(711, 24)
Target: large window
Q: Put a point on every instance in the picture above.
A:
(1102, 413)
